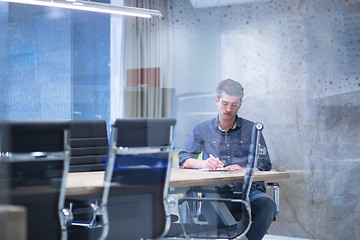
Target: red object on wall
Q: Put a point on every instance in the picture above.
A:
(145, 77)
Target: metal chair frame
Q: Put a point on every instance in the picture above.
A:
(101, 209)
(64, 214)
(248, 179)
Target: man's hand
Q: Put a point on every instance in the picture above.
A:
(237, 167)
(234, 167)
(212, 163)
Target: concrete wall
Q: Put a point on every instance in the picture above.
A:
(299, 64)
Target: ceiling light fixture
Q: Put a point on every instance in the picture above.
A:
(92, 7)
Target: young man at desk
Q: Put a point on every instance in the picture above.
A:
(224, 143)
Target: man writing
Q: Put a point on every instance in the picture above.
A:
(224, 143)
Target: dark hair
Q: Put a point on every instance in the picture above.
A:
(230, 87)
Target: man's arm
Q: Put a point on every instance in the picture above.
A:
(194, 146)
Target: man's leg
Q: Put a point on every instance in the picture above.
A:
(263, 210)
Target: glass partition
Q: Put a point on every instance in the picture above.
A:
(54, 63)
(297, 61)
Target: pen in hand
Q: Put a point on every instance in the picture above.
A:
(219, 164)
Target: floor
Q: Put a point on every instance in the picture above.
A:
(274, 237)
(267, 237)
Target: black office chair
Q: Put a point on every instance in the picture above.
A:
(223, 224)
(89, 147)
(34, 162)
(137, 176)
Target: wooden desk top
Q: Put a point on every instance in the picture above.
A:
(194, 177)
(90, 182)
(84, 183)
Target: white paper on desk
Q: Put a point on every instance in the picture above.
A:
(217, 170)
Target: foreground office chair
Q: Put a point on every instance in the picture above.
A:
(224, 225)
(34, 162)
(137, 176)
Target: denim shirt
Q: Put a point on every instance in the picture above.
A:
(231, 147)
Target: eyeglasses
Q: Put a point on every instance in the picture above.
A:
(233, 104)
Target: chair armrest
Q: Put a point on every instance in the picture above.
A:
(195, 229)
(272, 189)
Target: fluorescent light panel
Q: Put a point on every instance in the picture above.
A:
(92, 7)
(221, 3)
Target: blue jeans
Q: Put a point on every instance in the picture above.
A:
(263, 210)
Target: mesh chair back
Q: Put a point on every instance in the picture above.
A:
(89, 145)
